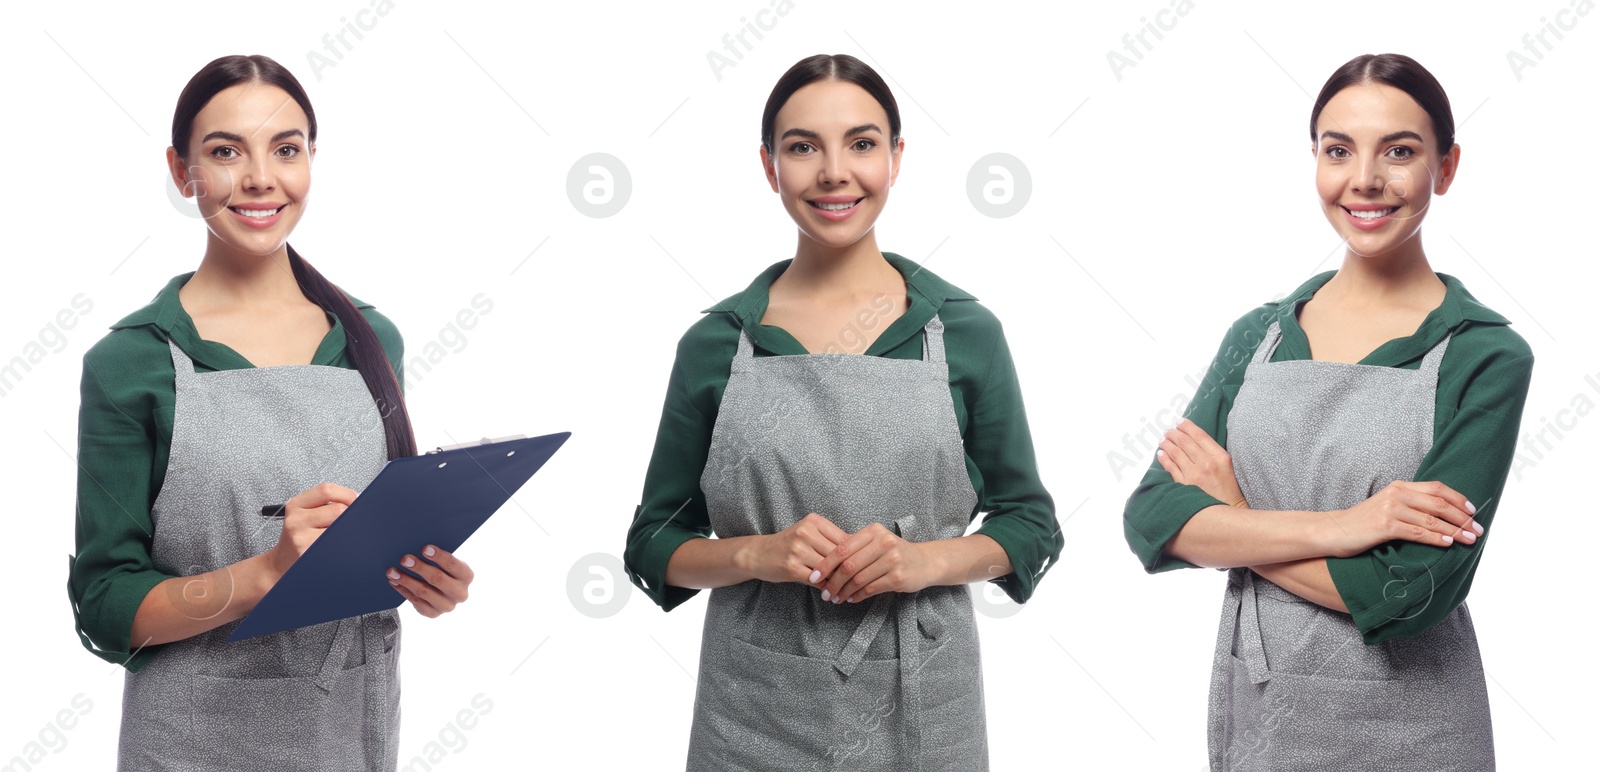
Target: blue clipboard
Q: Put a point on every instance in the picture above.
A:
(438, 498)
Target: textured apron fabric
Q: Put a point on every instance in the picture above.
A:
(1293, 687)
(325, 697)
(789, 681)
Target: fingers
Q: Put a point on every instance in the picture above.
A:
(859, 554)
(861, 585)
(320, 517)
(1203, 441)
(323, 493)
(833, 533)
(1445, 493)
(449, 563)
(435, 587)
(423, 607)
(1171, 466)
(1187, 445)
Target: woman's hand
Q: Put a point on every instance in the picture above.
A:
(1423, 512)
(792, 554)
(874, 560)
(305, 517)
(443, 584)
(1193, 458)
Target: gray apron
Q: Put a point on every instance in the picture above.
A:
(325, 697)
(789, 681)
(1293, 687)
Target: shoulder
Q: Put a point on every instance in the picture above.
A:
(971, 322)
(388, 334)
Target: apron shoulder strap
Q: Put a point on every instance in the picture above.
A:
(182, 365)
(1430, 362)
(933, 340)
(1269, 344)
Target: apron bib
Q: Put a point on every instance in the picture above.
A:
(1292, 685)
(789, 681)
(324, 697)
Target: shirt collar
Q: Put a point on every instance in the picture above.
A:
(165, 313)
(925, 290)
(1458, 309)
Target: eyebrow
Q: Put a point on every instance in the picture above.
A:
(231, 137)
(1381, 140)
(809, 134)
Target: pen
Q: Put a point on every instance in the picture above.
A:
(273, 510)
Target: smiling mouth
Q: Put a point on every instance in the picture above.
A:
(256, 213)
(1370, 214)
(835, 207)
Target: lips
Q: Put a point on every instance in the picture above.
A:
(256, 211)
(831, 204)
(1370, 214)
(258, 216)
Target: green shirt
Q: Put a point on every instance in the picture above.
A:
(1399, 588)
(124, 431)
(983, 387)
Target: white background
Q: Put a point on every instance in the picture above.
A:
(1182, 191)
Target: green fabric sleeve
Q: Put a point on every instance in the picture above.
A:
(1401, 588)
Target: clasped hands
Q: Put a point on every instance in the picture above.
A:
(845, 567)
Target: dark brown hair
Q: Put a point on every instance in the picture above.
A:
(1401, 72)
(361, 341)
(828, 67)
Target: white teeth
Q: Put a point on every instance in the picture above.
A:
(258, 212)
(1373, 214)
(835, 207)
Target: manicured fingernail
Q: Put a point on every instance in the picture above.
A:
(837, 600)
(815, 575)
(1448, 540)
(1160, 452)
(825, 595)
(1477, 526)
(1471, 510)
(428, 551)
(408, 561)
(1469, 537)
(852, 599)
(394, 576)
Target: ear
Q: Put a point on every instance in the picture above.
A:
(1447, 170)
(894, 159)
(770, 166)
(179, 169)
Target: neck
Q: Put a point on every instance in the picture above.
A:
(240, 279)
(821, 267)
(1401, 272)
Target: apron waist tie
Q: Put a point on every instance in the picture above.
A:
(343, 636)
(1250, 647)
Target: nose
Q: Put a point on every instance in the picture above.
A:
(833, 171)
(258, 174)
(1370, 177)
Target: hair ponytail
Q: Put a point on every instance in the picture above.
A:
(365, 351)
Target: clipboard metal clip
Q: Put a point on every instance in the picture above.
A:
(476, 443)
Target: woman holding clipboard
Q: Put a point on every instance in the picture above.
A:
(838, 425)
(251, 382)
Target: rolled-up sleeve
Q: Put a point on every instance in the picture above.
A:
(1021, 515)
(112, 571)
(673, 509)
(1402, 588)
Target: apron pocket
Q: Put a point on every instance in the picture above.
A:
(758, 709)
(280, 723)
(1299, 722)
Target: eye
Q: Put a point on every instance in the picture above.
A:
(863, 145)
(802, 148)
(1401, 152)
(224, 153)
(1337, 152)
(288, 151)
